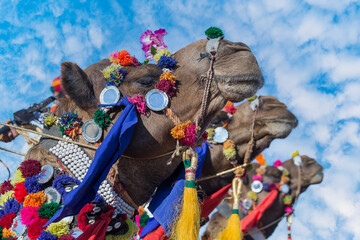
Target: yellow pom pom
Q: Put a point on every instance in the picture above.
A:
(168, 75)
(211, 133)
(106, 72)
(16, 178)
(229, 153)
(7, 233)
(4, 197)
(59, 228)
(252, 195)
(294, 154)
(160, 53)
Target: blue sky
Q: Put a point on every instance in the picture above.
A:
(308, 50)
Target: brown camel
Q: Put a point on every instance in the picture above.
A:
(311, 173)
(236, 76)
(273, 121)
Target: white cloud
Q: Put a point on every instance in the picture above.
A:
(96, 36)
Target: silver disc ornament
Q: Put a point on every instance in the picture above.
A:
(18, 227)
(91, 131)
(285, 188)
(156, 100)
(110, 95)
(247, 203)
(46, 174)
(221, 135)
(257, 186)
(52, 195)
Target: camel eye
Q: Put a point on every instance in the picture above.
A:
(145, 82)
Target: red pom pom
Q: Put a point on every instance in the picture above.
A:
(82, 220)
(6, 220)
(20, 192)
(35, 228)
(189, 138)
(167, 86)
(30, 168)
(66, 237)
(205, 136)
(230, 109)
(6, 186)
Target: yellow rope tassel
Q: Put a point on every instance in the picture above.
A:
(187, 226)
(233, 229)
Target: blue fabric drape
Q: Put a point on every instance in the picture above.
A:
(168, 196)
(106, 155)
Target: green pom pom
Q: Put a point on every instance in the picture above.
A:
(144, 219)
(48, 210)
(101, 118)
(214, 32)
(249, 167)
(285, 172)
(0, 233)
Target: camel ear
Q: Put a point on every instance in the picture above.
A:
(77, 85)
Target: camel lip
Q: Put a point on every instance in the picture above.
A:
(279, 120)
(317, 177)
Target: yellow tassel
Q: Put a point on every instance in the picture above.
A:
(233, 229)
(187, 225)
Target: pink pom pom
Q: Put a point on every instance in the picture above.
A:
(28, 215)
(167, 86)
(257, 178)
(288, 209)
(278, 163)
(139, 102)
(189, 138)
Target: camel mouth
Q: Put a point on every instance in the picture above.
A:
(238, 79)
(317, 177)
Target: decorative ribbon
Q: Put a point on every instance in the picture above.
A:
(106, 155)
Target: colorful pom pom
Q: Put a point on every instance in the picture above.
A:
(167, 86)
(189, 139)
(48, 210)
(30, 168)
(278, 163)
(5, 197)
(11, 206)
(167, 62)
(20, 192)
(28, 215)
(35, 228)
(7, 234)
(144, 219)
(59, 228)
(122, 57)
(109, 69)
(6, 220)
(70, 124)
(178, 131)
(289, 209)
(17, 178)
(288, 200)
(261, 160)
(230, 108)
(211, 133)
(168, 75)
(35, 199)
(139, 101)
(6, 186)
(160, 53)
(47, 236)
(214, 32)
(32, 185)
(50, 119)
(257, 178)
(101, 118)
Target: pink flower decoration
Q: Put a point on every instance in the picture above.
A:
(257, 178)
(139, 102)
(289, 210)
(278, 163)
(189, 138)
(155, 39)
(167, 86)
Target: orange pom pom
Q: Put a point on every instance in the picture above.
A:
(168, 75)
(125, 58)
(229, 144)
(261, 160)
(178, 131)
(35, 199)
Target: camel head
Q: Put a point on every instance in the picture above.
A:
(311, 173)
(273, 121)
(236, 76)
